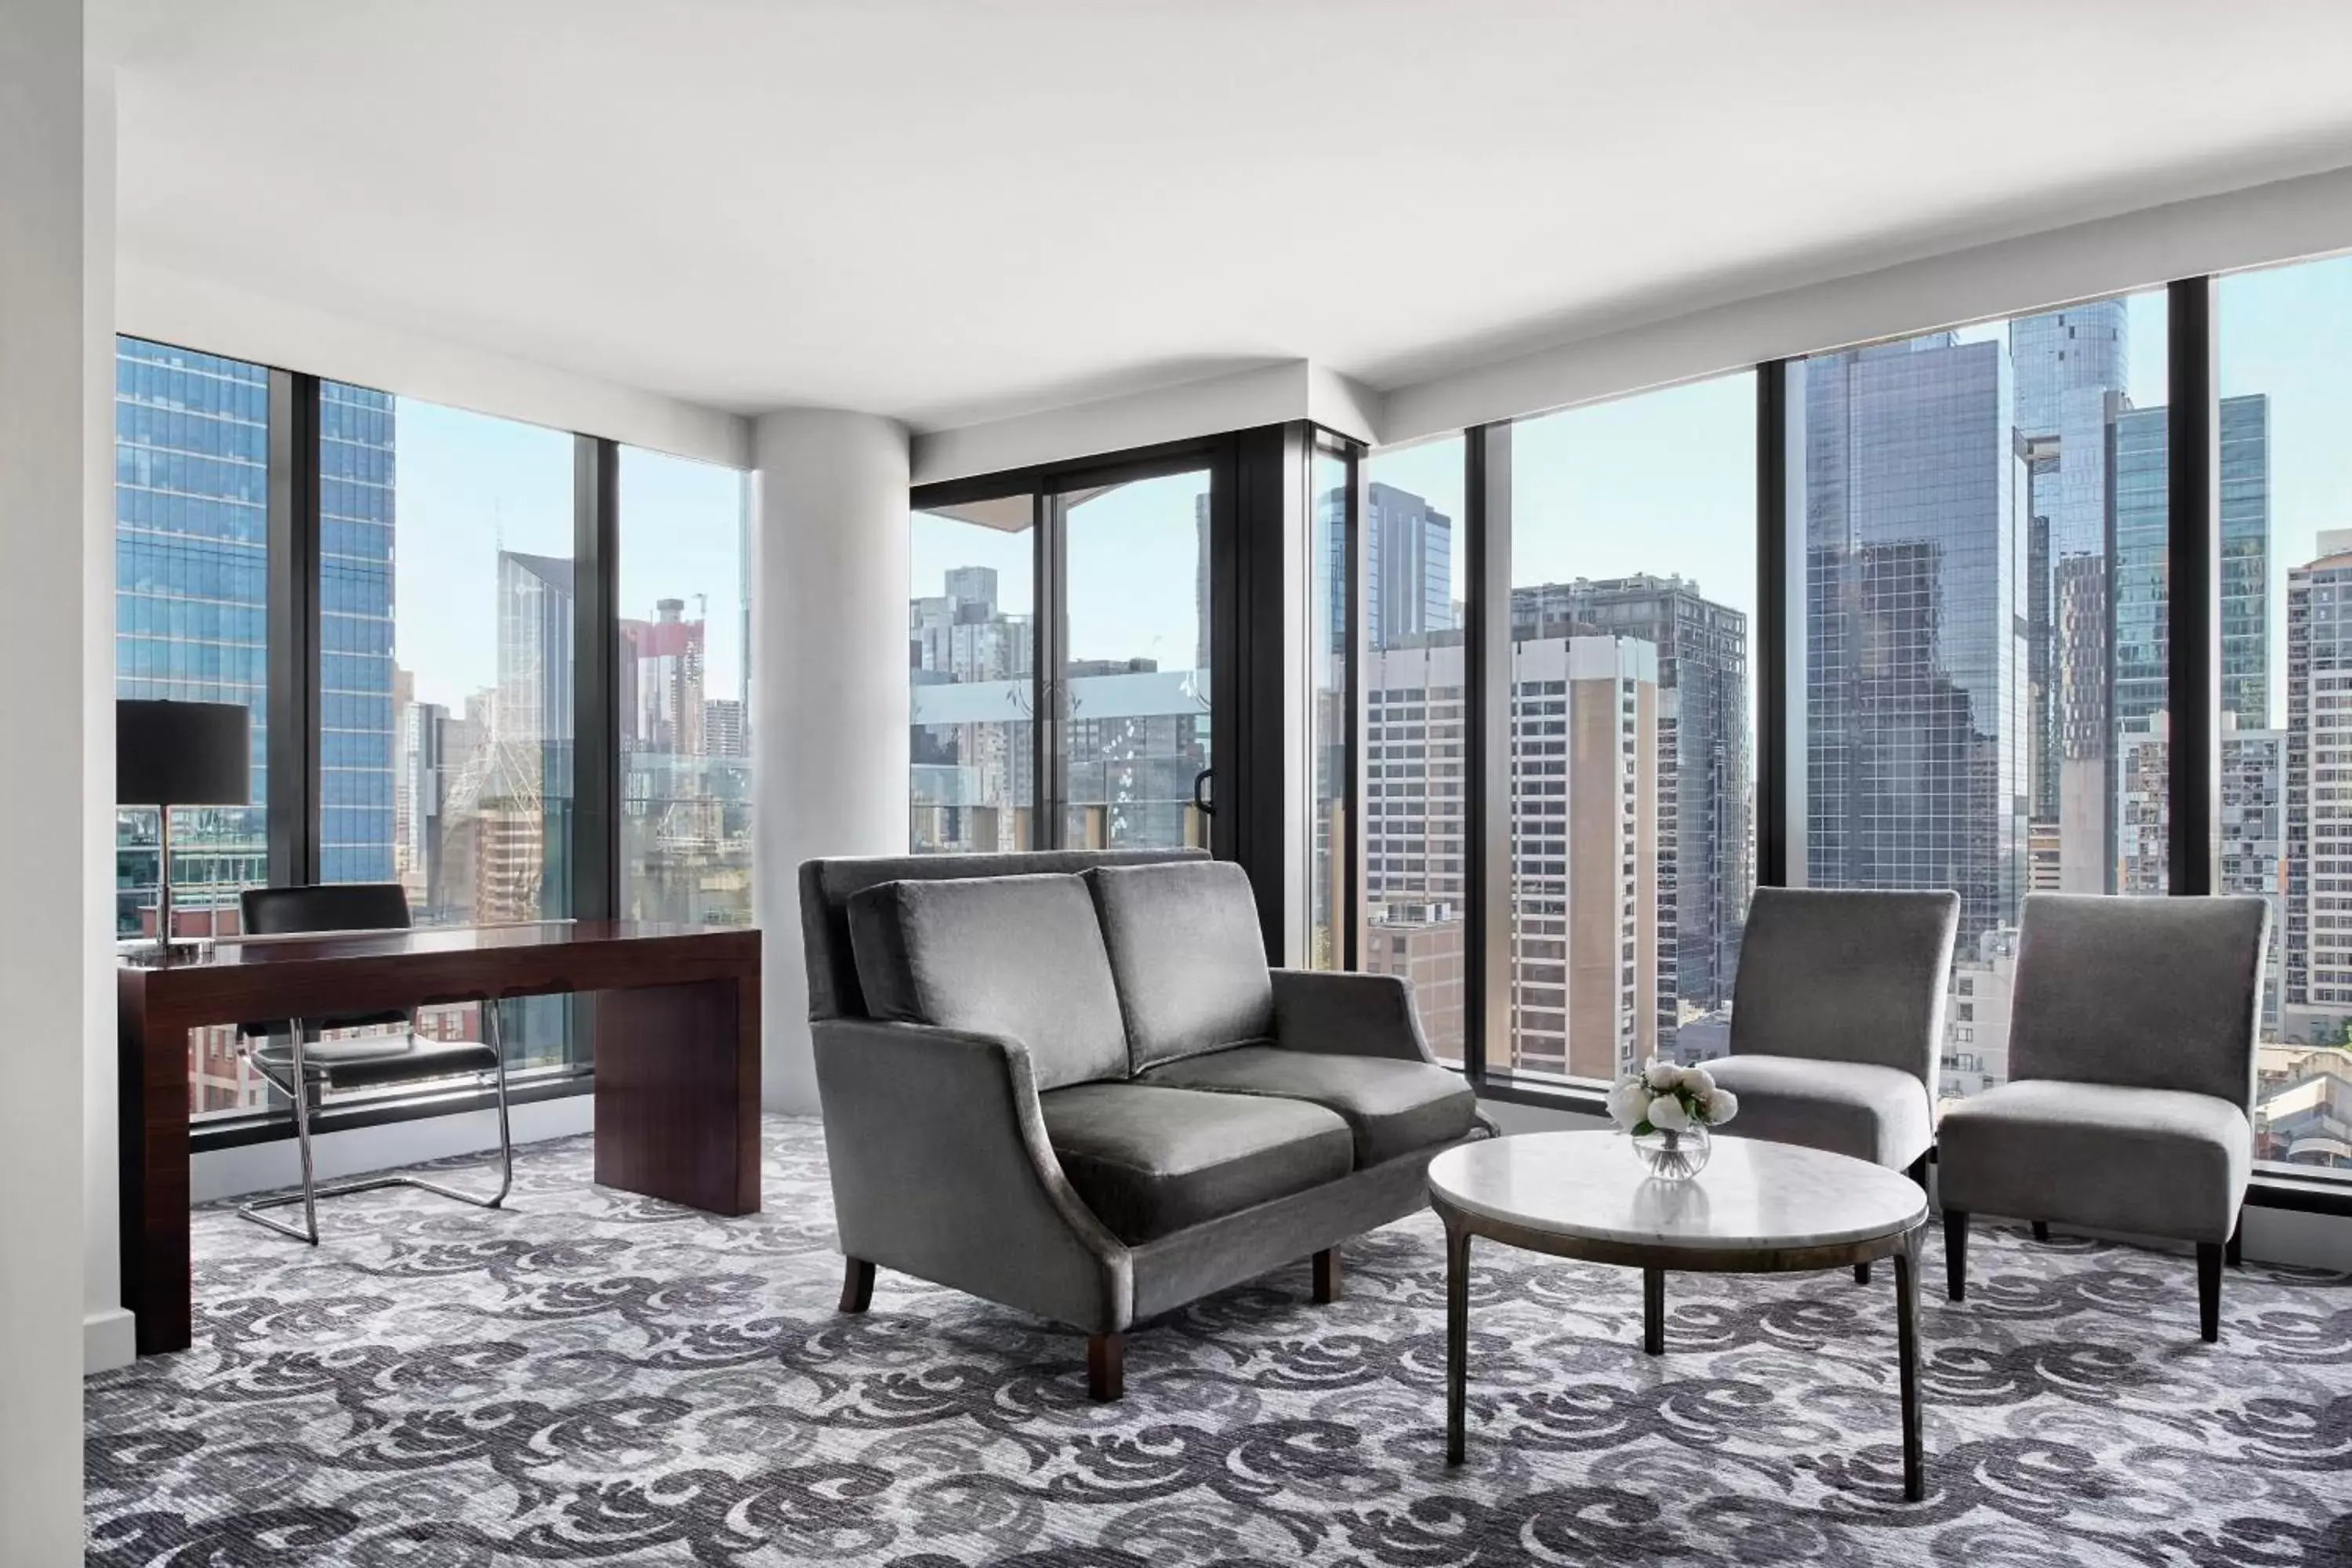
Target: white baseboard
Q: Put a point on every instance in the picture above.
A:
(261, 1167)
(109, 1338)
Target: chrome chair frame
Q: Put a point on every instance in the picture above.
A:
(298, 1091)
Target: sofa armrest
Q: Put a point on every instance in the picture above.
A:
(941, 1170)
(1345, 1013)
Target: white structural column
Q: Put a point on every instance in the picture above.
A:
(828, 685)
(44, 788)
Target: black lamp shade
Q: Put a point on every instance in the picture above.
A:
(182, 753)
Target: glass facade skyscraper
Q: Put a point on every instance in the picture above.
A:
(1916, 620)
(2141, 623)
(192, 555)
(356, 718)
(1408, 566)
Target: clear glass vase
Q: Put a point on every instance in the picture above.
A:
(1676, 1156)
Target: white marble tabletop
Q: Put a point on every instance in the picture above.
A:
(1752, 1193)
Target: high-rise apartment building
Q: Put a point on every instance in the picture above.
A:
(2318, 994)
(1589, 767)
(1916, 610)
(1702, 654)
(723, 733)
(1591, 777)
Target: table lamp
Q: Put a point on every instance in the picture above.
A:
(180, 753)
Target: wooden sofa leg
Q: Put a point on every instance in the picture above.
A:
(1956, 1255)
(1327, 1276)
(1106, 1367)
(2041, 1230)
(1862, 1272)
(857, 1285)
(2209, 1290)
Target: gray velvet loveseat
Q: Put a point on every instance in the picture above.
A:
(1069, 1083)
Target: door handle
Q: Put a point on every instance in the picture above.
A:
(1201, 800)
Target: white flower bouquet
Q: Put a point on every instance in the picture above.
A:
(1669, 1110)
(1663, 1097)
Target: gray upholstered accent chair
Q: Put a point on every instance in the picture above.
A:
(1836, 1020)
(1068, 1082)
(2129, 1105)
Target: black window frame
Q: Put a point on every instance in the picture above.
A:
(2193, 762)
(292, 666)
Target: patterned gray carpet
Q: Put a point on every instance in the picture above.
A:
(591, 1377)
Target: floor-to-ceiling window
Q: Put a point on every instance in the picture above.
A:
(1632, 552)
(1132, 734)
(971, 648)
(1330, 515)
(2285, 487)
(191, 551)
(1413, 729)
(446, 708)
(1980, 611)
(682, 697)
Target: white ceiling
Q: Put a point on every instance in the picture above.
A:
(952, 210)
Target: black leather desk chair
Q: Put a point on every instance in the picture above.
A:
(295, 1060)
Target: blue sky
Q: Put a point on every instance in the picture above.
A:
(467, 485)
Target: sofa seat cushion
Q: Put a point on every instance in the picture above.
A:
(2146, 1161)
(1390, 1106)
(1190, 958)
(1017, 957)
(1151, 1162)
(1877, 1113)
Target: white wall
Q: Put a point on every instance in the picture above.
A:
(1270, 394)
(199, 313)
(44, 945)
(828, 686)
(2281, 221)
(108, 1337)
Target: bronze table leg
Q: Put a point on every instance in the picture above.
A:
(1457, 1338)
(1906, 1337)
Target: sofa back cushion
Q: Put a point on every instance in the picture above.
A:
(1187, 954)
(1020, 957)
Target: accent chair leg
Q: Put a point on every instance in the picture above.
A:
(2209, 1290)
(1956, 1255)
(2041, 1230)
(1862, 1272)
(857, 1285)
(1327, 1276)
(2235, 1253)
(1106, 1367)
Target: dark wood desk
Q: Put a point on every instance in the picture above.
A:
(676, 1053)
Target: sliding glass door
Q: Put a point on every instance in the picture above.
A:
(1128, 758)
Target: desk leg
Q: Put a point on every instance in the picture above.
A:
(1457, 1341)
(152, 1122)
(677, 1093)
(1906, 1337)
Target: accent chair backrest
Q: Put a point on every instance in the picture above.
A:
(1847, 976)
(2140, 993)
(827, 885)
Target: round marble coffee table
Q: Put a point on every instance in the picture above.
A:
(1758, 1208)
